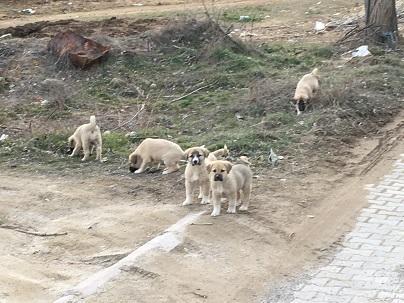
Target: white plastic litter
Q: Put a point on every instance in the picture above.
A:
(361, 51)
(319, 26)
(28, 11)
(244, 18)
(5, 36)
(3, 137)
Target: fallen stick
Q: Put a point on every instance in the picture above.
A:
(201, 223)
(193, 92)
(131, 119)
(17, 229)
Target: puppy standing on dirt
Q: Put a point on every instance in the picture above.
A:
(154, 151)
(196, 172)
(232, 181)
(87, 136)
(306, 89)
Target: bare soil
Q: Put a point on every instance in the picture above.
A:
(296, 218)
(290, 225)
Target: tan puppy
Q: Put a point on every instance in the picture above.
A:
(305, 90)
(154, 151)
(87, 136)
(230, 180)
(196, 172)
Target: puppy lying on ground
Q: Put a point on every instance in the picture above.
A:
(232, 181)
(196, 172)
(152, 151)
(306, 89)
(87, 136)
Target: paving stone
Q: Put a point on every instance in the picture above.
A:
(369, 266)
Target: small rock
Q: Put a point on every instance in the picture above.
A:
(117, 82)
(107, 132)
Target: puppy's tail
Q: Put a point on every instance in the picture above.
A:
(223, 152)
(93, 122)
(315, 72)
(245, 160)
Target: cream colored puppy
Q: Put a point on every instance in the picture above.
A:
(232, 181)
(306, 88)
(196, 172)
(87, 136)
(154, 151)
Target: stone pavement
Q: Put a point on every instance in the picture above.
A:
(370, 266)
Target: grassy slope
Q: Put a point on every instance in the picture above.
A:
(355, 100)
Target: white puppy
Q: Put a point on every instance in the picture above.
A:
(87, 136)
(306, 88)
(154, 151)
(196, 173)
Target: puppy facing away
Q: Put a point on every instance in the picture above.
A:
(232, 181)
(306, 88)
(196, 173)
(87, 136)
(152, 151)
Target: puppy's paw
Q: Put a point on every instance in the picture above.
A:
(205, 200)
(238, 203)
(138, 171)
(231, 210)
(243, 208)
(84, 159)
(186, 202)
(200, 196)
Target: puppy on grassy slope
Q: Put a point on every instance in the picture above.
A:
(152, 151)
(306, 89)
(232, 181)
(87, 136)
(196, 173)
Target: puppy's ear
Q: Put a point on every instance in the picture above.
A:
(186, 152)
(205, 151)
(209, 167)
(228, 166)
(133, 159)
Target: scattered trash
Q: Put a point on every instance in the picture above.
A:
(310, 216)
(28, 11)
(131, 135)
(45, 103)
(244, 18)
(239, 116)
(361, 51)
(107, 132)
(82, 52)
(291, 235)
(273, 158)
(3, 137)
(319, 26)
(5, 36)
(137, 4)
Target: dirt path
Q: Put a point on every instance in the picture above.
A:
(131, 11)
(233, 259)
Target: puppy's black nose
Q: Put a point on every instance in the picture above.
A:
(218, 177)
(302, 106)
(132, 169)
(195, 162)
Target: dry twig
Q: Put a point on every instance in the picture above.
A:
(33, 233)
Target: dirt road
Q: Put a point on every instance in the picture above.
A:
(129, 11)
(232, 258)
